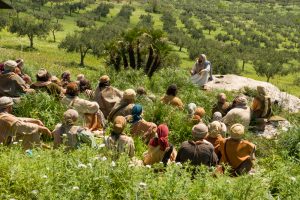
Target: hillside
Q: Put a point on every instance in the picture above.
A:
(233, 34)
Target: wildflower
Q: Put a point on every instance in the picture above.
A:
(148, 166)
(179, 164)
(90, 165)
(101, 145)
(293, 179)
(15, 143)
(75, 188)
(104, 158)
(44, 176)
(82, 166)
(113, 164)
(143, 185)
(131, 165)
(34, 192)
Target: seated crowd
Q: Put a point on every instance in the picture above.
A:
(211, 144)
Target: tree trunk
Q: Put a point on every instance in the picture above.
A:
(268, 79)
(180, 47)
(138, 55)
(243, 67)
(209, 31)
(150, 60)
(82, 59)
(31, 41)
(131, 56)
(118, 62)
(123, 53)
(54, 38)
(155, 66)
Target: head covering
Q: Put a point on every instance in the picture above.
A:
(66, 75)
(199, 131)
(70, 116)
(72, 89)
(261, 91)
(217, 116)
(54, 79)
(136, 113)
(203, 57)
(10, 65)
(241, 100)
(214, 129)
(221, 97)
(80, 77)
(42, 72)
(196, 119)
(5, 102)
(199, 111)
(162, 137)
(172, 90)
(104, 79)
(119, 124)
(141, 91)
(191, 108)
(129, 95)
(237, 131)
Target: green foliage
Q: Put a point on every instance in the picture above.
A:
(289, 143)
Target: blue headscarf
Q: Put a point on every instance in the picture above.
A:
(136, 113)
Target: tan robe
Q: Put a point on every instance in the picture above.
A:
(71, 139)
(238, 115)
(144, 129)
(14, 128)
(123, 144)
(12, 85)
(120, 109)
(174, 101)
(155, 155)
(107, 98)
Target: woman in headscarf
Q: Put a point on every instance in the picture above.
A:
(170, 97)
(198, 115)
(159, 148)
(139, 126)
(201, 71)
(214, 136)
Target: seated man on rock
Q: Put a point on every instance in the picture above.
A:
(44, 83)
(240, 113)
(106, 95)
(118, 141)
(11, 84)
(88, 110)
(73, 135)
(236, 152)
(171, 98)
(124, 107)
(18, 128)
(201, 72)
(198, 151)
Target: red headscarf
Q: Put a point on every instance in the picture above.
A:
(162, 137)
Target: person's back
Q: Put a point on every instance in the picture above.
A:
(12, 85)
(170, 97)
(144, 129)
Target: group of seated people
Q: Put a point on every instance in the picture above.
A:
(210, 144)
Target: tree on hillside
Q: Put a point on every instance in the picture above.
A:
(209, 26)
(102, 10)
(270, 64)
(81, 42)
(146, 21)
(3, 21)
(29, 26)
(55, 27)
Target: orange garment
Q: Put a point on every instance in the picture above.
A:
(144, 129)
(172, 100)
(156, 155)
(237, 151)
(216, 143)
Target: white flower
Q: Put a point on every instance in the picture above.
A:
(179, 164)
(228, 181)
(15, 143)
(44, 176)
(113, 164)
(97, 158)
(131, 165)
(35, 192)
(101, 145)
(75, 188)
(103, 158)
(82, 166)
(90, 165)
(143, 185)
(148, 166)
(12, 199)
(293, 179)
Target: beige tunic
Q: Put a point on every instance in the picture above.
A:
(174, 101)
(155, 155)
(120, 109)
(107, 98)
(11, 127)
(123, 144)
(12, 85)
(238, 115)
(71, 140)
(144, 129)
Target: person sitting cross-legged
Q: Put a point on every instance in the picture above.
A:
(171, 98)
(159, 148)
(118, 141)
(198, 151)
(236, 152)
(72, 134)
(26, 129)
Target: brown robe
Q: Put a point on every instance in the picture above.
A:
(155, 155)
(71, 132)
(216, 143)
(144, 129)
(49, 87)
(107, 98)
(223, 108)
(123, 144)
(120, 109)
(12, 85)
(172, 100)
